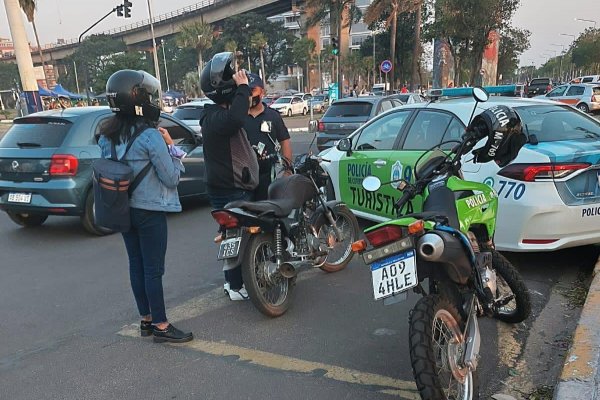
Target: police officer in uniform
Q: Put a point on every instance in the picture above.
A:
(268, 135)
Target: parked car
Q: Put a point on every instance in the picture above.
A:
(344, 116)
(409, 98)
(319, 103)
(45, 164)
(549, 195)
(586, 79)
(270, 99)
(190, 113)
(538, 86)
(290, 105)
(584, 96)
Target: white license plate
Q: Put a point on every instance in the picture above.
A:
(229, 248)
(19, 197)
(394, 274)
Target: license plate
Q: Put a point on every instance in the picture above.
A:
(229, 248)
(19, 197)
(394, 274)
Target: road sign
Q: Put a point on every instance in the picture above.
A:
(333, 92)
(386, 66)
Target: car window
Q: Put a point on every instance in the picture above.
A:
(187, 113)
(540, 81)
(587, 79)
(559, 91)
(596, 90)
(386, 105)
(552, 122)
(283, 100)
(36, 133)
(296, 100)
(381, 134)
(454, 133)
(575, 91)
(427, 130)
(179, 134)
(349, 109)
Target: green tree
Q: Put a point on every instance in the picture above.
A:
(199, 36)
(513, 43)
(258, 41)
(28, 7)
(586, 50)
(191, 84)
(9, 76)
(304, 54)
(179, 60)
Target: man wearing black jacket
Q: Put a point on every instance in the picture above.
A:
(231, 163)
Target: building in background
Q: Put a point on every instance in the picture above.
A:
(6, 48)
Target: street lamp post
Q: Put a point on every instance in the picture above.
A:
(561, 59)
(574, 37)
(162, 44)
(155, 54)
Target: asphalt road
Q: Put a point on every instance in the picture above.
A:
(68, 330)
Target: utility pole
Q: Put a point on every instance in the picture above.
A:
(23, 55)
(156, 68)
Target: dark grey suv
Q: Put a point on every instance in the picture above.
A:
(45, 164)
(346, 115)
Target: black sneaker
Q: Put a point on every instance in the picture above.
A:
(146, 328)
(171, 334)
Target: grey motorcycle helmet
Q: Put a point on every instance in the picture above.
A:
(216, 79)
(134, 93)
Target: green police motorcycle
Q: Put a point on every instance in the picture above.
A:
(451, 243)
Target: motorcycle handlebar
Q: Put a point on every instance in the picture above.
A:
(406, 196)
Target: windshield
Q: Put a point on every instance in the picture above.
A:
(283, 100)
(188, 113)
(424, 161)
(353, 109)
(36, 132)
(403, 97)
(318, 98)
(550, 123)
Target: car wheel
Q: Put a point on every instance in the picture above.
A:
(87, 219)
(289, 113)
(583, 107)
(27, 220)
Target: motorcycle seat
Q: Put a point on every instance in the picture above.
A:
(278, 208)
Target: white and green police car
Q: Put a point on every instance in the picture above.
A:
(549, 195)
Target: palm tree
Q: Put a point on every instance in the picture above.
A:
(191, 84)
(197, 35)
(28, 7)
(395, 7)
(259, 41)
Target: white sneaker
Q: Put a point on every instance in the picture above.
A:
(237, 295)
(226, 288)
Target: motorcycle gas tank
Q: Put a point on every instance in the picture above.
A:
(476, 204)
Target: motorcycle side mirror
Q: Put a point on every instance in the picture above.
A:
(345, 145)
(371, 183)
(480, 94)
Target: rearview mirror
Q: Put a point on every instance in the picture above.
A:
(312, 125)
(480, 94)
(344, 145)
(371, 183)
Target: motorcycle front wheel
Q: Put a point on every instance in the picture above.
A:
(339, 250)
(436, 347)
(268, 290)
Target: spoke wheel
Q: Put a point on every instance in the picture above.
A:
(436, 351)
(339, 250)
(269, 291)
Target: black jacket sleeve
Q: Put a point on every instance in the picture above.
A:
(225, 121)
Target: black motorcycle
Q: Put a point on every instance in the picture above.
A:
(294, 228)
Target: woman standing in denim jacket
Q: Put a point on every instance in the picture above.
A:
(130, 95)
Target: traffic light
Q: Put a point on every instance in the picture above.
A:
(120, 10)
(334, 46)
(127, 8)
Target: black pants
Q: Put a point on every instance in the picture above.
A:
(262, 190)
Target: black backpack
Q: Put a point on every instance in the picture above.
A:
(114, 182)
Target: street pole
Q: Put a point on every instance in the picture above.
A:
(374, 62)
(298, 76)
(76, 79)
(156, 69)
(23, 55)
(162, 44)
(320, 75)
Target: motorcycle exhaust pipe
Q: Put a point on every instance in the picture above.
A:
(430, 247)
(287, 270)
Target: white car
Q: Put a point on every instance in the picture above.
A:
(191, 112)
(549, 195)
(290, 105)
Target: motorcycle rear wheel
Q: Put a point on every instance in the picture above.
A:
(339, 253)
(435, 341)
(508, 280)
(272, 296)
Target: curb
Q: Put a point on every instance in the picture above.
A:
(580, 377)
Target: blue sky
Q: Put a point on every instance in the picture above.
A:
(546, 19)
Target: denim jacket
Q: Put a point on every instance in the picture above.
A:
(157, 191)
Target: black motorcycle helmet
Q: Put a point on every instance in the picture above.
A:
(502, 127)
(216, 79)
(134, 93)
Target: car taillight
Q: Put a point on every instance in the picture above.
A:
(225, 219)
(595, 98)
(63, 165)
(535, 172)
(321, 126)
(384, 235)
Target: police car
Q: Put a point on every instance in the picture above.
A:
(549, 195)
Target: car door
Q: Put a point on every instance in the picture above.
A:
(427, 129)
(372, 147)
(192, 181)
(573, 95)
(557, 93)
(297, 104)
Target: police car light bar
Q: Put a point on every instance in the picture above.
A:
(506, 90)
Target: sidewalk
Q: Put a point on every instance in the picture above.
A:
(580, 378)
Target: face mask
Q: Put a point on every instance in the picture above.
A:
(255, 101)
